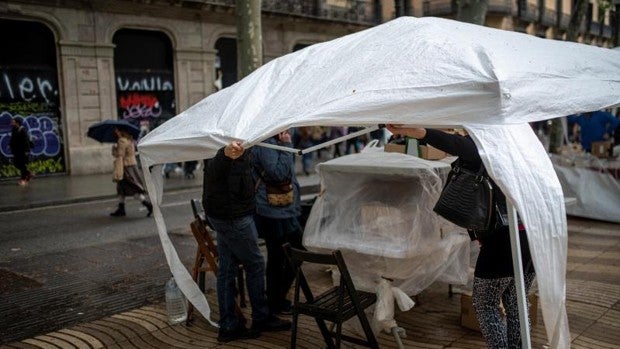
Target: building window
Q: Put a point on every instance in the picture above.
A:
(29, 89)
(144, 77)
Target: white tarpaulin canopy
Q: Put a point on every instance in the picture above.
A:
(426, 71)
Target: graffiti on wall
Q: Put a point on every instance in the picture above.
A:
(145, 98)
(31, 94)
(136, 105)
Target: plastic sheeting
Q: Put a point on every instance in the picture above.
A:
(427, 71)
(596, 190)
(378, 209)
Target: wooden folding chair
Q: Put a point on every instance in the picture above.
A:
(337, 305)
(207, 257)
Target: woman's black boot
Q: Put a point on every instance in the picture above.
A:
(149, 207)
(120, 211)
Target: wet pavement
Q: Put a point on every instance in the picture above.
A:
(112, 296)
(592, 302)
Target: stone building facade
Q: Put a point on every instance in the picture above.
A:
(86, 81)
(70, 63)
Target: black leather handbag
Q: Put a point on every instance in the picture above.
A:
(467, 200)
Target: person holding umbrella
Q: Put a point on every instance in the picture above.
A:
(126, 174)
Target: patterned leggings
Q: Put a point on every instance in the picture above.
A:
(499, 334)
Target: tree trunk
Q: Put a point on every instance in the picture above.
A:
(472, 11)
(249, 37)
(617, 26)
(576, 19)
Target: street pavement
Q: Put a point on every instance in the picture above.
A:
(57, 190)
(128, 312)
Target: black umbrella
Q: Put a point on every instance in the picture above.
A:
(104, 131)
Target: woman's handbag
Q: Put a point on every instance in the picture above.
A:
(467, 200)
(280, 194)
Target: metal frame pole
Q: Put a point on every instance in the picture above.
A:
(515, 245)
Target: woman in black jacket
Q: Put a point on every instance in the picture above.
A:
(494, 276)
(20, 147)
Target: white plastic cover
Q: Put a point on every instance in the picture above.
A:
(587, 179)
(425, 71)
(377, 208)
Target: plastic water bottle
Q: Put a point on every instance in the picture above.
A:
(175, 303)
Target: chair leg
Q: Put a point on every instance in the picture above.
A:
(202, 281)
(327, 336)
(294, 330)
(338, 333)
(241, 287)
(370, 336)
(195, 274)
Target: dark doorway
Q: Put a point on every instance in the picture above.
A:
(300, 46)
(144, 77)
(29, 89)
(226, 64)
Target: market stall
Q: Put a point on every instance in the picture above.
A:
(416, 71)
(593, 182)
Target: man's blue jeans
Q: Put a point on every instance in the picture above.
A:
(237, 243)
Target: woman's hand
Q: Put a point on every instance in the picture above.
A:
(413, 132)
(284, 137)
(234, 150)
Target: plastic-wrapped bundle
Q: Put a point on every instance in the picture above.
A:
(378, 209)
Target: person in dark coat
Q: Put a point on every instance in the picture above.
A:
(228, 199)
(494, 273)
(277, 224)
(20, 147)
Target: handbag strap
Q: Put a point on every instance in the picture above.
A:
(481, 173)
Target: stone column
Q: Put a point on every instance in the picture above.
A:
(88, 97)
(195, 76)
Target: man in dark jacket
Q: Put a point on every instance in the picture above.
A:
(20, 147)
(228, 199)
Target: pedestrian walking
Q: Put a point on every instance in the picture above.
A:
(229, 202)
(20, 147)
(126, 174)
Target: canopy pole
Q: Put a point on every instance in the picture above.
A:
(322, 145)
(340, 139)
(279, 147)
(518, 276)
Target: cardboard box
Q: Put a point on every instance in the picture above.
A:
(468, 314)
(410, 148)
(394, 148)
(429, 152)
(601, 149)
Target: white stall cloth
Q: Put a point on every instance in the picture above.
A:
(596, 191)
(378, 209)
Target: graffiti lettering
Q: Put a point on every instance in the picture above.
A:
(140, 106)
(36, 166)
(24, 108)
(137, 99)
(28, 86)
(42, 130)
(151, 83)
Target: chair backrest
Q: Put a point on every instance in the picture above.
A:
(337, 304)
(298, 257)
(197, 209)
(199, 212)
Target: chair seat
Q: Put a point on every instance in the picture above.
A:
(325, 306)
